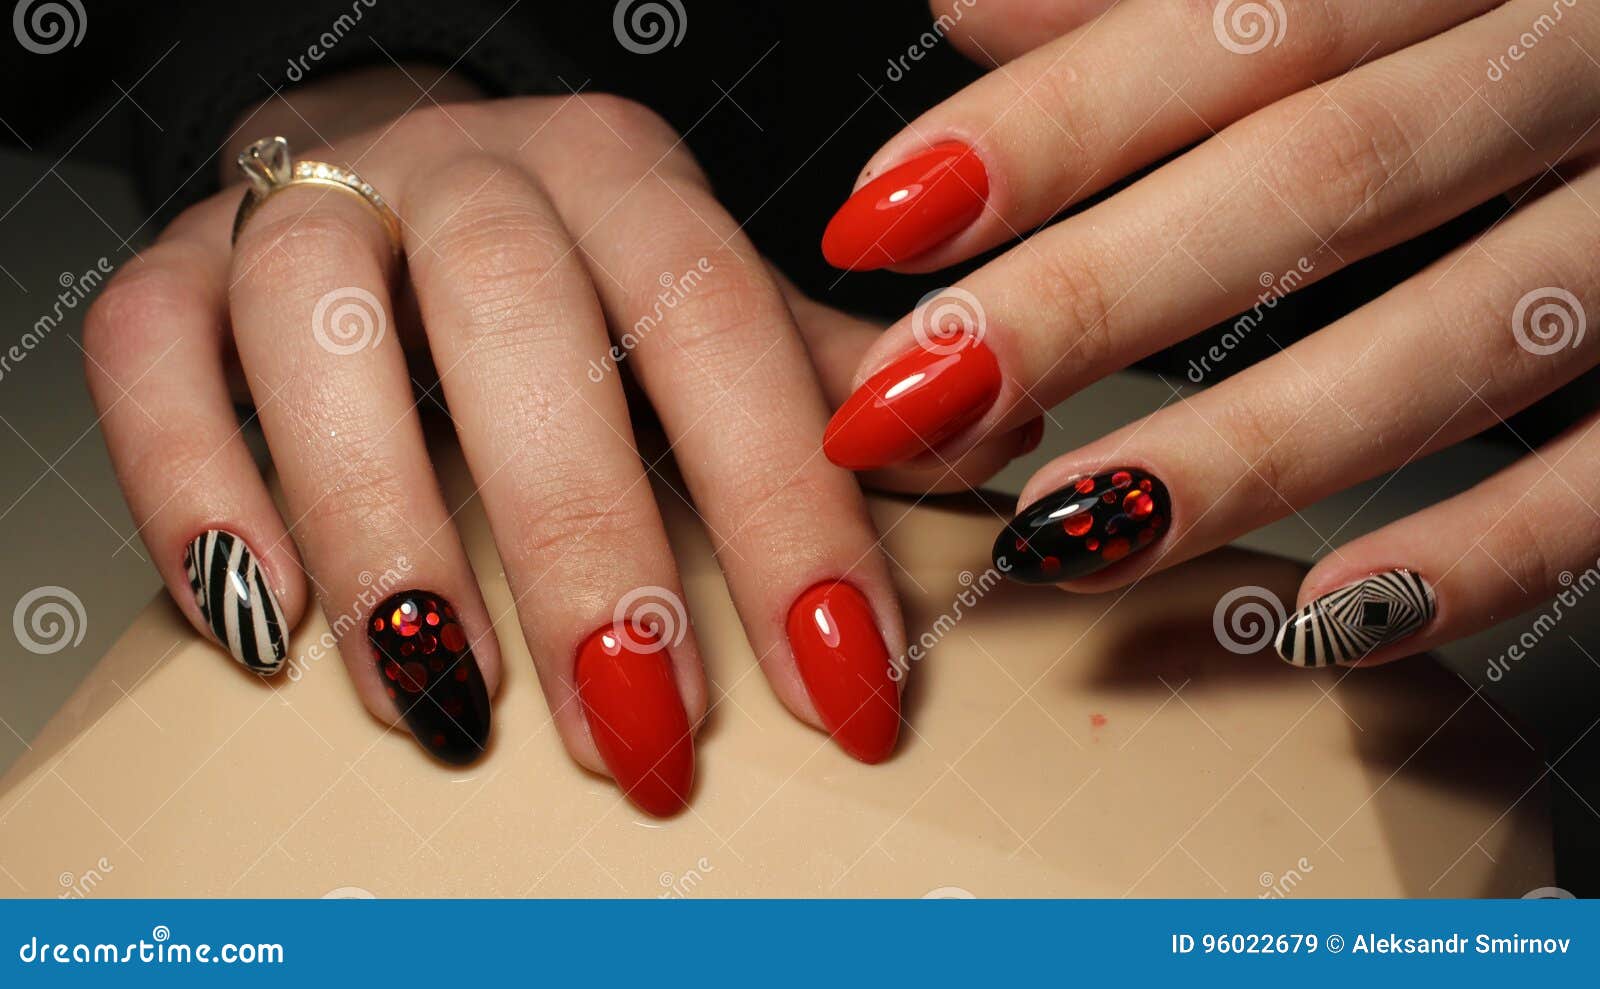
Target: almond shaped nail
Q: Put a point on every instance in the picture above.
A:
(1351, 623)
(635, 713)
(845, 667)
(1084, 527)
(909, 209)
(231, 592)
(428, 670)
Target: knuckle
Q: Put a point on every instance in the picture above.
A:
(1253, 430)
(562, 512)
(716, 299)
(626, 117)
(133, 313)
(1340, 161)
(777, 505)
(436, 126)
(296, 250)
(1081, 310)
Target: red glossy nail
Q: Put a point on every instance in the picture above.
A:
(636, 715)
(908, 210)
(846, 669)
(913, 405)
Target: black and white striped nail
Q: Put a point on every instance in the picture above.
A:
(1346, 625)
(235, 601)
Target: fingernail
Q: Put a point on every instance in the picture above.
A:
(636, 716)
(845, 667)
(1032, 435)
(908, 210)
(1346, 625)
(429, 671)
(1084, 527)
(233, 597)
(913, 405)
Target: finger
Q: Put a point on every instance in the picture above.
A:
(310, 306)
(1282, 199)
(1497, 324)
(1023, 143)
(1458, 567)
(711, 342)
(153, 349)
(996, 31)
(514, 327)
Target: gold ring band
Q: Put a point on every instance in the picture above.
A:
(270, 168)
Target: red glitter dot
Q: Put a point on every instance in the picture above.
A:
(1121, 479)
(1115, 549)
(433, 618)
(407, 648)
(1092, 545)
(1097, 720)
(1086, 485)
(390, 692)
(461, 672)
(377, 624)
(1077, 525)
(1138, 504)
(428, 642)
(1022, 544)
(413, 677)
(390, 670)
(453, 638)
(1144, 485)
(1050, 564)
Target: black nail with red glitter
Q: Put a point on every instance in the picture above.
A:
(429, 671)
(1084, 527)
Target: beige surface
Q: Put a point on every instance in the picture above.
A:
(1059, 746)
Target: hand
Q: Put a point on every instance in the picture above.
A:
(530, 226)
(1324, 133)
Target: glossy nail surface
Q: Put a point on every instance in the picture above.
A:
(429, 671)
(1084, 527)
(913, 405)
(232, 594)
(636, 715)
(846, 670)
(908, 210)
(1346, 625)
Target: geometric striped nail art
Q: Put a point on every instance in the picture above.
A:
(235, 601)
(1345, 625)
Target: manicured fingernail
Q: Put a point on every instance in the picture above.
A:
(1349, 624)
(429, 671)
(913, 405)
(846, 670)
(908, 210)
(636, 716)
(235, 601)
(1084, 527)
(1032, 435)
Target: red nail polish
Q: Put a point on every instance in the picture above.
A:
(636, 715)
(846, 669)
(913, 405)
(908, 210)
